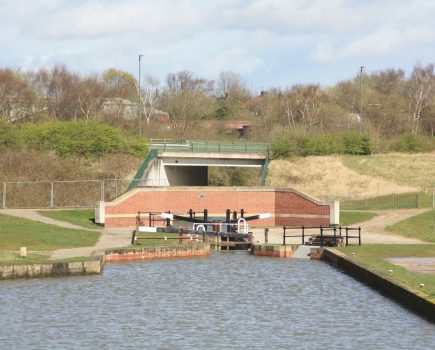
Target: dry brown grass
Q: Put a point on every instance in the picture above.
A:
(404, 169)
(34, 165)
(329, 177)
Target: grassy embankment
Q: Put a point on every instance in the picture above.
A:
(39, 239)
(356, 177)
(374, 255)
(348, 218)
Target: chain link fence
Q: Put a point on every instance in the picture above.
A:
(87, 194)
(60, 194)
(424, 199)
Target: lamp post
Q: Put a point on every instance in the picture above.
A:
(140, 101)
(360, 94)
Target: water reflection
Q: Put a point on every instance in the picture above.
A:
(227, 301)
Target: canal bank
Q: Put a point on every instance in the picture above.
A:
(414, 300)
(94, 266)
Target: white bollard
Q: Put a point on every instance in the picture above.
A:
(23, 252)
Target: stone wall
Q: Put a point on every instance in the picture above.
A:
(51, 270)
(157, 252)
(273, 250)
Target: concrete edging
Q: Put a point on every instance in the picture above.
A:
(408, 298)
(78, 268)
(95, 267)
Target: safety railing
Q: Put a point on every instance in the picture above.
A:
(327, 236)
(152, 154)
(209, 146)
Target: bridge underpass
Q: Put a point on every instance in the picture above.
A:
(186, 163)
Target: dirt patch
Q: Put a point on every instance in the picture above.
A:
(421, 265)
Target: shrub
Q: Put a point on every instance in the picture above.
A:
(81, 138)
(8, 135)
(320, 145)
(412, 144)
(283, 147)
(137, 147)
(355, 143)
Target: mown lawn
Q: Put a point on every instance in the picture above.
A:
(158, 238)
(348, 218)
(421, 226)
(374, 255)
(17, 232)
(14, 258)
(84, 218)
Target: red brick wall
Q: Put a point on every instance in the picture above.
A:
(278, 203)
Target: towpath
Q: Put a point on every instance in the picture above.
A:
(110, 238)
(373, 230)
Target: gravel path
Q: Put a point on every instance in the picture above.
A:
(373, 230)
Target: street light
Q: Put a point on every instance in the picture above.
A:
(360, 94)
(140, 102)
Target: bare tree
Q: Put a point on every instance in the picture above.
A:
(421, 91)
(90, 96)
(149, 95)
(186, 99)
(17, 98)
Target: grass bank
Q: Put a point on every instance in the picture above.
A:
(421, 226)
(374, 256)
(36, 236)
(348, 218)
(84, 218)
(14, 258)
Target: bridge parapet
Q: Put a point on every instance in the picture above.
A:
(209, 146)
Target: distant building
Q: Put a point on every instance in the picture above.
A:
(129, 110)
(241, 126)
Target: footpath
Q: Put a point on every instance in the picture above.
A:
(373, 231)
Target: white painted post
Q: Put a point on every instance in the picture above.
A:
(23, 252)
(4, 195)
(52, 195)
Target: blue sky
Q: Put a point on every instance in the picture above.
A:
(268, 42)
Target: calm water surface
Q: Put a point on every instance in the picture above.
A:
(228, 301)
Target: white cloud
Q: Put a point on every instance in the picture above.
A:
(254, 37)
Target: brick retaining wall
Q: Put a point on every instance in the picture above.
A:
(287, 206)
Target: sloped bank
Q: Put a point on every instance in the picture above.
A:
(412, 299)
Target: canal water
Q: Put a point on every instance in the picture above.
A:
(227, 301)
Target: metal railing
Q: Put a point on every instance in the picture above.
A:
(340, 235)
(152, 154)
(209, 146)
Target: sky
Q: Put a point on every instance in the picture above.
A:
(270, 43)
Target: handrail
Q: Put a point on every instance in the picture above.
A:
(264, 170)
(209, 146)
(336, 238)
(141, 171)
